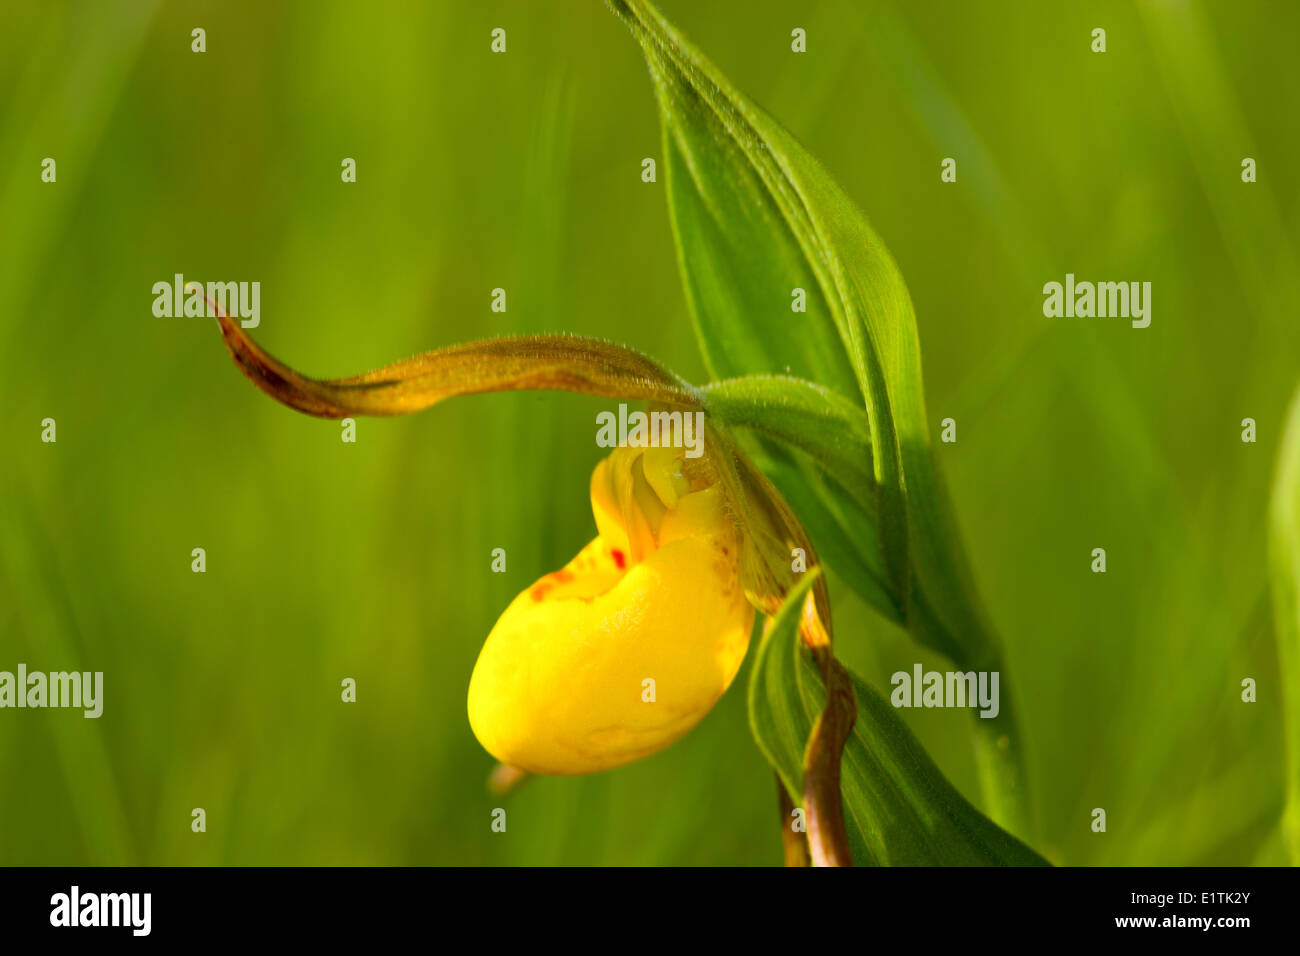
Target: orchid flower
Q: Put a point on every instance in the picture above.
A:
(687, 550)
(626, 648)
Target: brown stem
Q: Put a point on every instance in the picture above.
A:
(828, 838)
(794, 841)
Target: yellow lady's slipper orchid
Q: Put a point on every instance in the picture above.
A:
(667, 592)
(561, 685)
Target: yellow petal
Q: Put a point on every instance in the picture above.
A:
(560, 686)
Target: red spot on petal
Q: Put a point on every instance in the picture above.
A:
(548, 584)
(618, 557)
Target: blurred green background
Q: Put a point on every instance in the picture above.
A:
(522, 171)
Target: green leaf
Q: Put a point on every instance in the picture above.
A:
(755, 216)
(898, 807)
(832, 430)
(842, 527)
(1284, 567)
(830, 484)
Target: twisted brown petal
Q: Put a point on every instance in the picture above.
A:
(772, 531)
(567, 363)
(828, 839)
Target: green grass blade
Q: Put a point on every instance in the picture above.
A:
(1284, 564)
